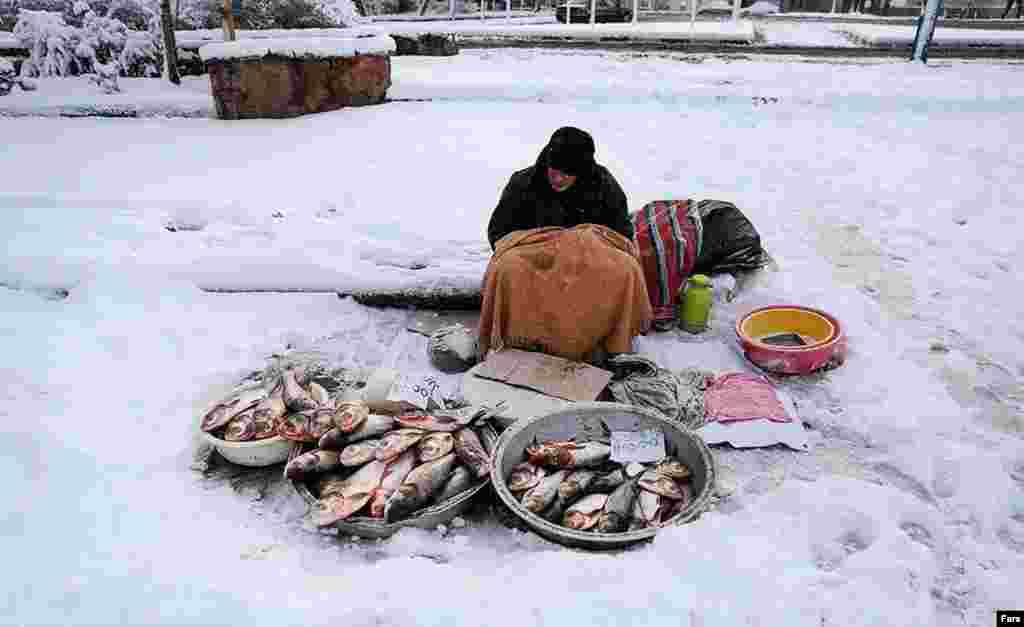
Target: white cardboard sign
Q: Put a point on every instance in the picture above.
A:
(638, 446)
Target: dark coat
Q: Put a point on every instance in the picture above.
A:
(528, 202)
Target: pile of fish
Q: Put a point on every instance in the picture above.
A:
(574, 484)
(388, 467)
(289, 409)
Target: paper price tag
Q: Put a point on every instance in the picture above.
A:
(638, 446)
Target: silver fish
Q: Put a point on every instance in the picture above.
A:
(616, 513)
(331, 483)
(674, 468)
(434, 445)
(333, 440)
(646, 506)
(358, 453)
(525, 476)
(432, 422)
(472, 453)
(397, 442)
(241, 428)
(321, 420)
(576, 484)
(460, 481)
(569, 454)
(670, 508)
(419, 486)
(295, 397)
(313, 462)
(583, 514)
(222, 412)
(394, 476)
(653, 481)
(540, 496)
(350, 415)
(296, 427)
(319, 394)
(267, 414)
(609, 481)
(351, 496)
(374, 425)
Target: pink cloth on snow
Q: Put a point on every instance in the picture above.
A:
(739, 396)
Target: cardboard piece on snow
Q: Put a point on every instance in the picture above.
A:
(550, 375)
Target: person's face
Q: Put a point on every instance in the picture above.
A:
(560, 181)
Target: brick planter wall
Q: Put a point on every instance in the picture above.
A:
(281, 87)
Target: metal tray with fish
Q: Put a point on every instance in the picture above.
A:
(594, 422)
(427, 518)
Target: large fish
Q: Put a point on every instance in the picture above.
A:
(242, 427)
(394, 476)
(670, 508)
(350, 415)
(310, 463)
(525, 476)
(674, 468)
(616, 513)
(449, 421)
(397, 442)
(434, 446)
(543, 494)
(460, 481)
(423, 482)
(375, 425)
(268, 413)
(654, 481)
(319, 394)
(350, 496)
(645, 508)
(331, 483)
(569, 454)
(358, 453)
(222, 412)
(583, 514)
(472, 453)
(576, 484)
(333, 440)
(608, 482)
(295, 397)
(296, 427)
(321, 420)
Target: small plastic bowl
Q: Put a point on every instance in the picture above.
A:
(813, 327)
(825, 342)
(254, 453)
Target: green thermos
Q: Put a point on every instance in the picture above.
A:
(695, 304)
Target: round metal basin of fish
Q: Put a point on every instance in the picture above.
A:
(584, 421)
(426, 518)
(254, 453)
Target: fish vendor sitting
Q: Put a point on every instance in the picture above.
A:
(565, 277)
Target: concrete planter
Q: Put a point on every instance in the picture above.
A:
(283, 87)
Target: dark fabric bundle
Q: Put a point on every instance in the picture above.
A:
(730, 242)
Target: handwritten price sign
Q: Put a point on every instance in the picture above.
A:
(638, 446)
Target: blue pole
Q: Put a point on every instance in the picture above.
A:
(925, 30)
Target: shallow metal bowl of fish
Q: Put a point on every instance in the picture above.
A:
(426, 518)
(592, 422)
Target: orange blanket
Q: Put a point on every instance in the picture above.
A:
(564, 292)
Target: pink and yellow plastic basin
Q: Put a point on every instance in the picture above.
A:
(791, 339)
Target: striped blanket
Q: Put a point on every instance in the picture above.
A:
(668, 236)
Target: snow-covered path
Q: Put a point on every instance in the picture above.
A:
(890, 195)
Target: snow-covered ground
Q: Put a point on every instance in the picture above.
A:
(885, 35)
(889, 193)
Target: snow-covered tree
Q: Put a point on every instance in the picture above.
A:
(57, 48)
(343, 12)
